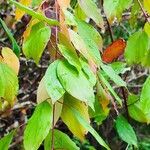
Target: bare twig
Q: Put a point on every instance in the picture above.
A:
(122, 88)
(110, 30)
(53, 126)
(53, 122)
(144, 12)
(125, 102)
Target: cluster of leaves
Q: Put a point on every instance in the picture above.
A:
(76, 86)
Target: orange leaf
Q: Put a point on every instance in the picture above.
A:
(114, 50)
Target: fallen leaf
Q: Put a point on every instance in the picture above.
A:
(113, 51)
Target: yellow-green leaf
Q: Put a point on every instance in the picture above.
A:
(92, 11)
(38, 126)
(147, 28)
(10, 59)
(91, 38)
(87, 126)
(36, 42)
(73, 124)
(115, 8)
(8, 84)
(19, 13)
(147, 5)
(42, 95)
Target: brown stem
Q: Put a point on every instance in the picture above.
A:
(110, 30)
(111, 99)
(53, 126)
(122, 88)
(56, 13)
(53, 121)
(125, 102)
(144, 13)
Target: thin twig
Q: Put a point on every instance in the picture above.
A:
(53, 121)
(122, 88)
(56, 13)
(144, 12)
(112, 39)
(53, 126)
(111, 99)
(125, 102)
(110, 30)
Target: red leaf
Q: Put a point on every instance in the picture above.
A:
(114, 50)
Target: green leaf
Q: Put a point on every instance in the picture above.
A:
(42, 95)
(137, 47)
(38, 126)
(87, 70)
(95, 15)
(70, 55)
(79, 13)
(139, 110)
(99, 114)
(145, 99)
(68, 51)
(69, 18)
(146, 62)
(113, 76)
(75, 83)
(36, 3)
(52, 84)
(115, 8)
(147, 28)
(6, 140)
(73, 124)
(36, 42)
(126, 131)
(15, 46)
(8, 83)
(134, 108)
(87, 126)
(91, 38)
(80, 45)
(134, 13)
(119, 67)
(35, 14)
(61, 141)
(146, 90)
(110, 88)
(64, 40)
